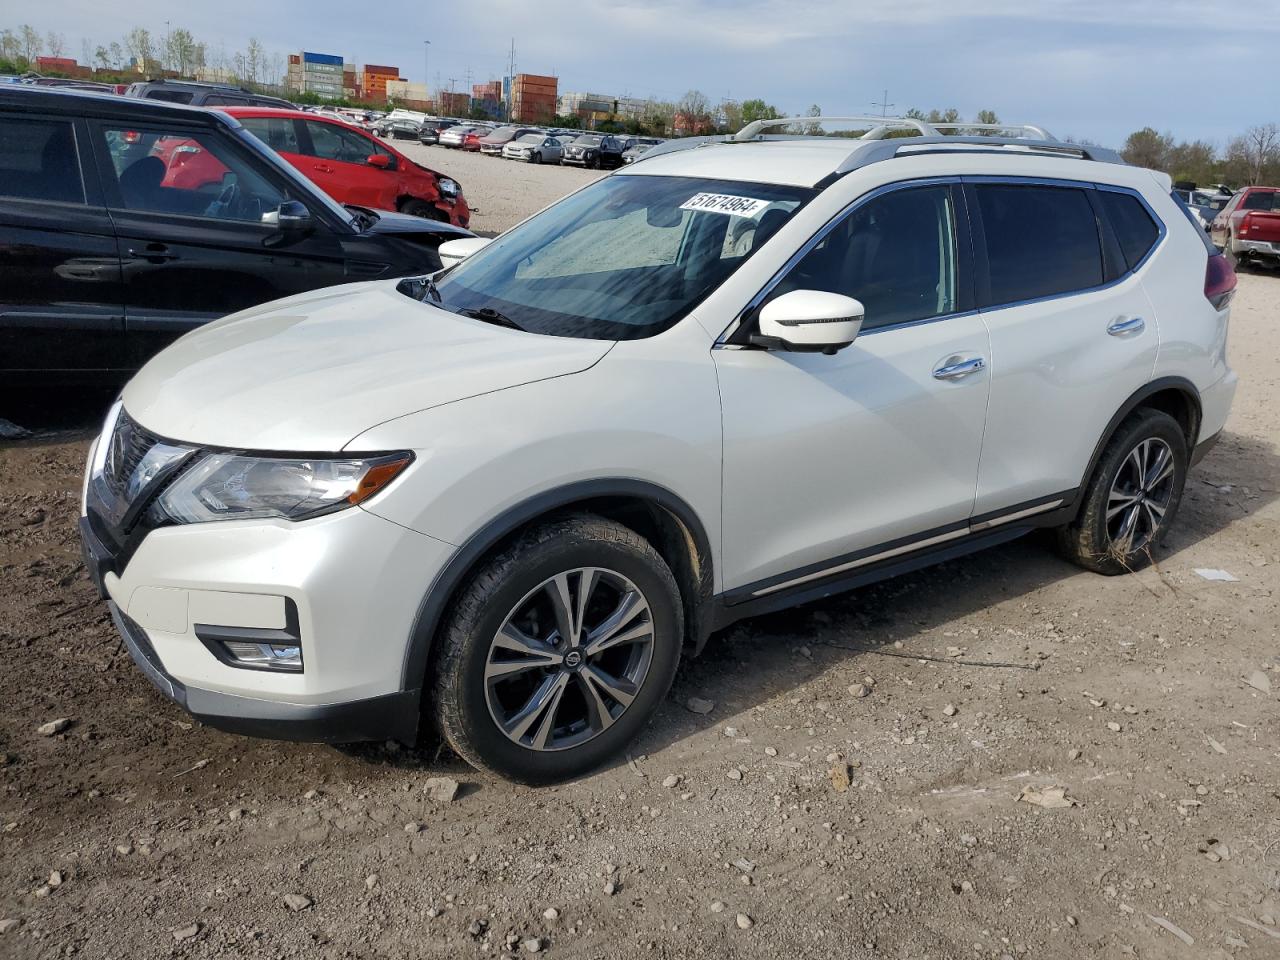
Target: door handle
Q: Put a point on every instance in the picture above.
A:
(957, 368)
(153, 253)
(1124, 325)
(323, 168)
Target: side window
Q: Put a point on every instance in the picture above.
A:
(170, 96)
(190, 173)
(1041, 241)
(38, 161)
(280, 135)
(895, 253)
(331, 142)
(1133, 226)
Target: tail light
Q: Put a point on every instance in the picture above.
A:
(1246, 222)
(1219, 281)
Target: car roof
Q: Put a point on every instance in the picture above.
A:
(79, 103)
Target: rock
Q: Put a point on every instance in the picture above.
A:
(949, 710)
(186, 933)
(966, 886)
(235, 813)
(55, 878)
(433, 912)
(840, 778)
(124, 849)
(734, 773)
(310, 794)
(533, 945)
(699, 706)
(1113, 726)
(413, 827)
(53, 727)
(1259, 681)
(33, 517)
(11, 431)
(441, 789)
(744, 922)
(297, 902)
(770, 751)
(9, 925)
(1073, 754)
(806, 653)
(717, 906)
(371, 881)
(730, 731)
(1071, 921)
(551, 914)
(43, 891)
(610, 889)
(859, 690)
(671, 781)
(476, 927)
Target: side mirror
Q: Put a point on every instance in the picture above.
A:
(809, 321)
(455, 251)
(292, 219)
(381, 161)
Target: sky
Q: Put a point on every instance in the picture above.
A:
(1093, 69)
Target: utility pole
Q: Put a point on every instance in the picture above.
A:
(884, 104)
(511, 78)
(168, 44)
(426, 69)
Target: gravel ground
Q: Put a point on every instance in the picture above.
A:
(852, 792)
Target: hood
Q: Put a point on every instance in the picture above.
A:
(312, 372)
(401, 224)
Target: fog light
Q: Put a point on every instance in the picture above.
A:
(264, 656)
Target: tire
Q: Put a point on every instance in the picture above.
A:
(1099, 543)
(536, 158)
(419, 208)
(501, 726)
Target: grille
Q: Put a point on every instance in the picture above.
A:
(129, 444)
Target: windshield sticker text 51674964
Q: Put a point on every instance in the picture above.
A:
(724, 203)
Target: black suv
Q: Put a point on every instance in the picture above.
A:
(114, 241)
(595, 151)
(195, 94)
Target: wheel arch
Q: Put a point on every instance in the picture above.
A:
(1176, 396)
(654, 512)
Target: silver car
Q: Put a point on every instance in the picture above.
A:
(534, 148)
(453, 136)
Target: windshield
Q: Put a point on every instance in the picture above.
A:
(588, 141)
(622, 259)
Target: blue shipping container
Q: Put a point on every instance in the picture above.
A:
(321, 58)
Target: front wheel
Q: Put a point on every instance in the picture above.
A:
(536, 158)
(1132, 497)
(418, 208)
(558, 651)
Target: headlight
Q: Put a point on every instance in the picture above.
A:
(448, 188)
(228, 486)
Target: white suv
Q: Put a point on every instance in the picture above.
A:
(738, 375)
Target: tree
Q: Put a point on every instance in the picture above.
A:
(254, 60)
(731, 111)
(1256, 154)
(987, 116)
(950, 115)
(101, 57)
(179, 52)
(753, 110)
(30, 43)
(117, 55)
(1192, 161)
(10, 46)
(138, 44)
(55, 43)
(1147, 148)
(812, 129)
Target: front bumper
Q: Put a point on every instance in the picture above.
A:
(390, 717)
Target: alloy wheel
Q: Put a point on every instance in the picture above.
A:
(569, 659)
(1140, 495)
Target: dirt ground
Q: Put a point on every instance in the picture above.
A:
(1151, 699)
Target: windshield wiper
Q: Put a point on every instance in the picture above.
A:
(489, 315)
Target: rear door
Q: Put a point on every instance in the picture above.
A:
(197, 248)
(61, 305)
(1073, 335)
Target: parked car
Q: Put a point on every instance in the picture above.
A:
(113, 250)
(638, 147)
(430, 131)
(491, 144)
(453, 136)
(403, 128)
(471, 140)
(534, 148)
(197, 94)
(594, 150)
(1204, 205)
(354, 167)
(1248, 228)
(449, 501)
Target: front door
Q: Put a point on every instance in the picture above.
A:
(61, 305)
(830, 458)
(188, 205)
(338, 161)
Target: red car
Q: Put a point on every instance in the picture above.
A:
(354, 167)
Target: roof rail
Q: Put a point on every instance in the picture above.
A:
(868, 153)
(1038, 132)
(879, 126)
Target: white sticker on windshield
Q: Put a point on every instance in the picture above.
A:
(724, 203)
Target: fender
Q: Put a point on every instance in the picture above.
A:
(434, 603)
(1181, 384)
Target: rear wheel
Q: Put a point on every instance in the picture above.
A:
(1132, 497)
(558, 651)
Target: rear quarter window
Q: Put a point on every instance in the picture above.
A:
(1133, 226)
